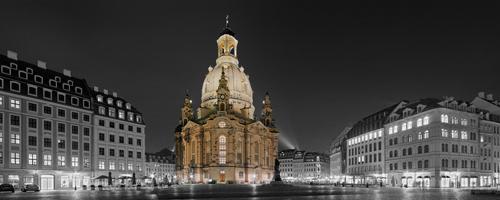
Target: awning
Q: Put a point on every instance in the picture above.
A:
(101, 177)
(419, 176)
(473, 176)
(445, 177)
(465, 177)
(427, 177)
(403, 177)
(124, 177)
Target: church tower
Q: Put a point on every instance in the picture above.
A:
(186, 110)
(267, 111)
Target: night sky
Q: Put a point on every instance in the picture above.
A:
(325, 65)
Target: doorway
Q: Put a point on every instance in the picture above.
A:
(47, 182)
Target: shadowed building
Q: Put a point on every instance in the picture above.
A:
(223, 141)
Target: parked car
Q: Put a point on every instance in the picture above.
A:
(30, 187)
(7, 187)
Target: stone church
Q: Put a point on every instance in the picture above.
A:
(222, 141)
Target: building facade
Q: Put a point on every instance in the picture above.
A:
(161, 167)
(302, 166)
(440, 143)
(223, 142)
(46, 127)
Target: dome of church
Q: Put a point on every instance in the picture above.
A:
(241, 94)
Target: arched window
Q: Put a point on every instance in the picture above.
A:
(426, 120)
(426, 149)
(444, 118)
(222, 150)
(419, 149)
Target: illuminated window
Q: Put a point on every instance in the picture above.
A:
(111, 165)
(47, 160)
(74, 161)
(409, 126)
(379, 133)
(130, 167)
(395, 129)
(390, 130)
(444, 118)
(464, 122)
(419, 122)
(14, 103)
(32, 159)
(426, 134)
(222, 149)
(454, 120)
(426, 120)
(444, 133)
(403, 127)
(464, 135)
(15, 138)
(99, 98)
(454, 134)
(15, 158)
(61, 161)
(101, 164)
(419, 136)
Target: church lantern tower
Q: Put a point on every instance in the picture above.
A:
(186, 110)
(267, 111)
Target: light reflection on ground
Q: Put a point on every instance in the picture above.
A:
(255, 192)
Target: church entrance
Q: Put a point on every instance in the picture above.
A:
(222, 176)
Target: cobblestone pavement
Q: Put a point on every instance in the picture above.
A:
(254, 192)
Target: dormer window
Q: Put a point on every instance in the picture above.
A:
(23, 75)
(66, 86)
(128, 106)
(52, 83)
(78, 90)
(38, 79)
(58, 79)
(119, 103)
(102, 110)
(13, 66)
(131, 116)
(70, 82)
(99, 98)
(5, 70)
(110, 101)
(121, 114)
(139, 119)
(29, 70)
(111, 112)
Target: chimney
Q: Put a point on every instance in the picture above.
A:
(67, 72)
(489, 97)
(41, 64)
(105, 91)
(481, 95)
(96, 89)
(115, 94)
(11, 54)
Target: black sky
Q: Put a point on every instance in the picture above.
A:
(325, 65)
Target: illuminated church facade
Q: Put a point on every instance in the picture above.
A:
(222, 141)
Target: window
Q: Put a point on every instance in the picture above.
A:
(61, 97)
(47, 142)
(130, 141)
(32, 90)
(86, 104)
(139, 129)
(101, 136)
(111, 112)
(86, 146)
(410, 124)
(419, 135)
(61, 144)
(47, 94)
(444, 118)
(32, 123)
(86, 162)
(111, 138)
(121, 126)
(111, 125)
(426, 120)
(454, 134)
(110, 101)
(38, 79)
(395, 129)
(15, 86)
(426, 163)
(101, 122)
(419, 164)
(61, 113)
(111, 165)
(78, 90)
(99, 98)
(74, 101)
(74, 145)
(47, 160)
(14, 120)
(15, 138)
(419, 122)
(139, 155)
(32, 107)
(32, 140)
(426, 134)
(130, 167)
(139, 142)
(86, 131)
(101, 164)
(86, 118)
(15, 158)
(74, 161)
(102, 110)
(121, 139)
(464, 135)
(403, 127)
(47, 110)
(15, 103)
(130, 128)
(101, 151)
(31, 159)
(111, 152)
(74, 115)
(426, 149)
(121, 114)
(222, 150)
(444, 133)
(419, 149)
(61, 128)
(122, 153)
(463, 122)
(119, 103)
(74, 130)
(130, 154)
